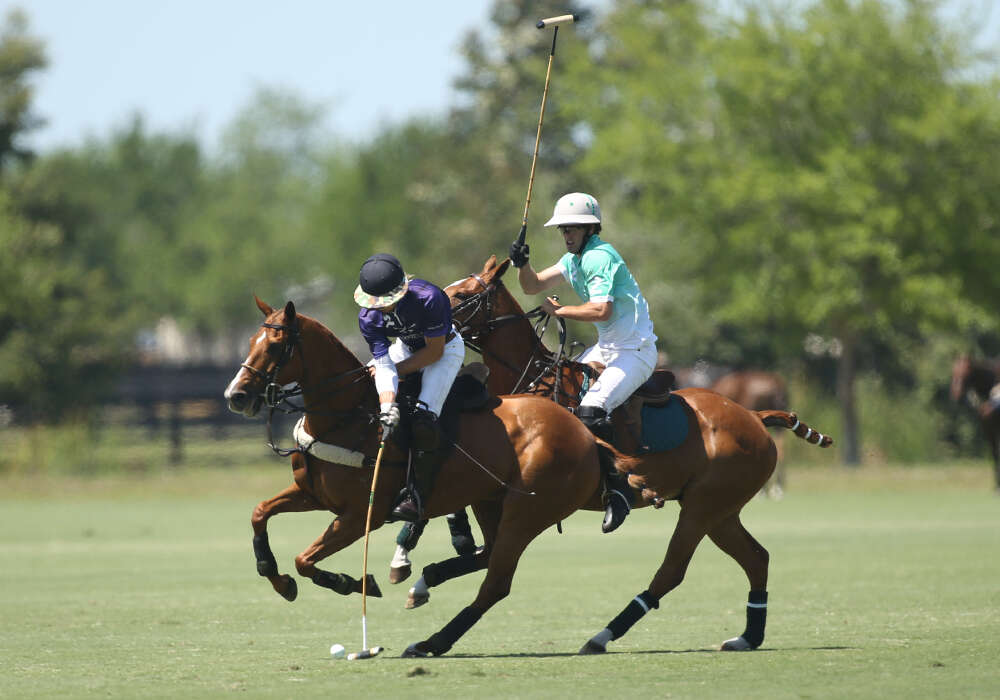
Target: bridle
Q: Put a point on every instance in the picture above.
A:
(273, 394)
(277, 399)
(549, 362)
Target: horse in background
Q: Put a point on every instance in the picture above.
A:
(759, 391)
(977, 384)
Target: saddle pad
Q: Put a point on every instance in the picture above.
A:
(664, 427)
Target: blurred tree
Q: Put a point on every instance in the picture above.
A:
(832, 171)
(20, 56)
(444, 195)
(251, 233)
(60, 338)
(123, 206)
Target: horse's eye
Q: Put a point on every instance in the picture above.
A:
(274, 350)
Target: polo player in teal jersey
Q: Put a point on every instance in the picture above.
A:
(626, 344)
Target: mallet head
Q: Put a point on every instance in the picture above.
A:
(366, 654)
(553, 21)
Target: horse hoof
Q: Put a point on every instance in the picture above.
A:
(372, 588)
(398, 574)
(592, 647)
(415, 600)
(415, 652)
(736, 644)
(291, 591)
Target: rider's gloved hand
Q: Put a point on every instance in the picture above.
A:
(389, 418)
(518, 254)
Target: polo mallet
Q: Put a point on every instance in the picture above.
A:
(542, 24)
(366, 652)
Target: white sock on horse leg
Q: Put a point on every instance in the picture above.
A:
(420, 587)
(602, 637)
(401, 557)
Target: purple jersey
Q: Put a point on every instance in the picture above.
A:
(423, 311)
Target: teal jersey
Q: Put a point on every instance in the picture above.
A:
(598, 273)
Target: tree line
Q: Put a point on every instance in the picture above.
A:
(822, 177)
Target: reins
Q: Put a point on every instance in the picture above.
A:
(550, 362)
(277, 400)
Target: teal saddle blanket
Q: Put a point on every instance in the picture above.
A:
(664, 427)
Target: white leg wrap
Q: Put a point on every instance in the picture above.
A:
(602, 637)
(420, 587)
(400, 558)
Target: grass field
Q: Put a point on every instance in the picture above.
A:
(884, 583)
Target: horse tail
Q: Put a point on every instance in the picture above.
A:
(784, 419)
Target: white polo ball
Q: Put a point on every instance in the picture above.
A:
(337, 651)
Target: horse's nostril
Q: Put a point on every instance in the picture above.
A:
(238, 400)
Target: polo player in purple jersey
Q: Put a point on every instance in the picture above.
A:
(417, 314)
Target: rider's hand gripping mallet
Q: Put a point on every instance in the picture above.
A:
(542, 24)
(365, 652)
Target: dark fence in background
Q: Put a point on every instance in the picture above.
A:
(177, 402)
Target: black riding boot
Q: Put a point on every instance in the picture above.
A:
(426, 465)
(617, 492)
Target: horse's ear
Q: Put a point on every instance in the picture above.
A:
(264, 308)
(490, 263)
(289, 313)
(502, 269)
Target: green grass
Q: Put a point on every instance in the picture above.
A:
(884, 583)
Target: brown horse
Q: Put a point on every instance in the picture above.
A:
(977, 382)
(523, 463)
(759, 391)
(726, 458)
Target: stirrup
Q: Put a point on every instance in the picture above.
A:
(409, 509)
(615, 512)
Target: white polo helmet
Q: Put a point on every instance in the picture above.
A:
(575, 208)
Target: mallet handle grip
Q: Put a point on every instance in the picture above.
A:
(543, 23)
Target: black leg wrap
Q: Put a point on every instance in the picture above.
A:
(441, 642)
(266, 565)
(756, 618)
(410, 534)
(339, 583)
(461, 533)
(436, 574)
(632, 613)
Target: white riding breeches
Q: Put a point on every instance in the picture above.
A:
(624, 372)
(437, 377)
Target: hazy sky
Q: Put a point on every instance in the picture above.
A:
(193, 64)
(196, 63)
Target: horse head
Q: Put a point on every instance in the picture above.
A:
(288, 349)
(481, 298)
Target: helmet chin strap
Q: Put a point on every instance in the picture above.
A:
(591, 232)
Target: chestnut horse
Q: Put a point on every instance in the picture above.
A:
(523, 463)
(725, 459)
(758, 391)
(977, 382)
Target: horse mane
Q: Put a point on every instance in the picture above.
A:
(337, 343)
